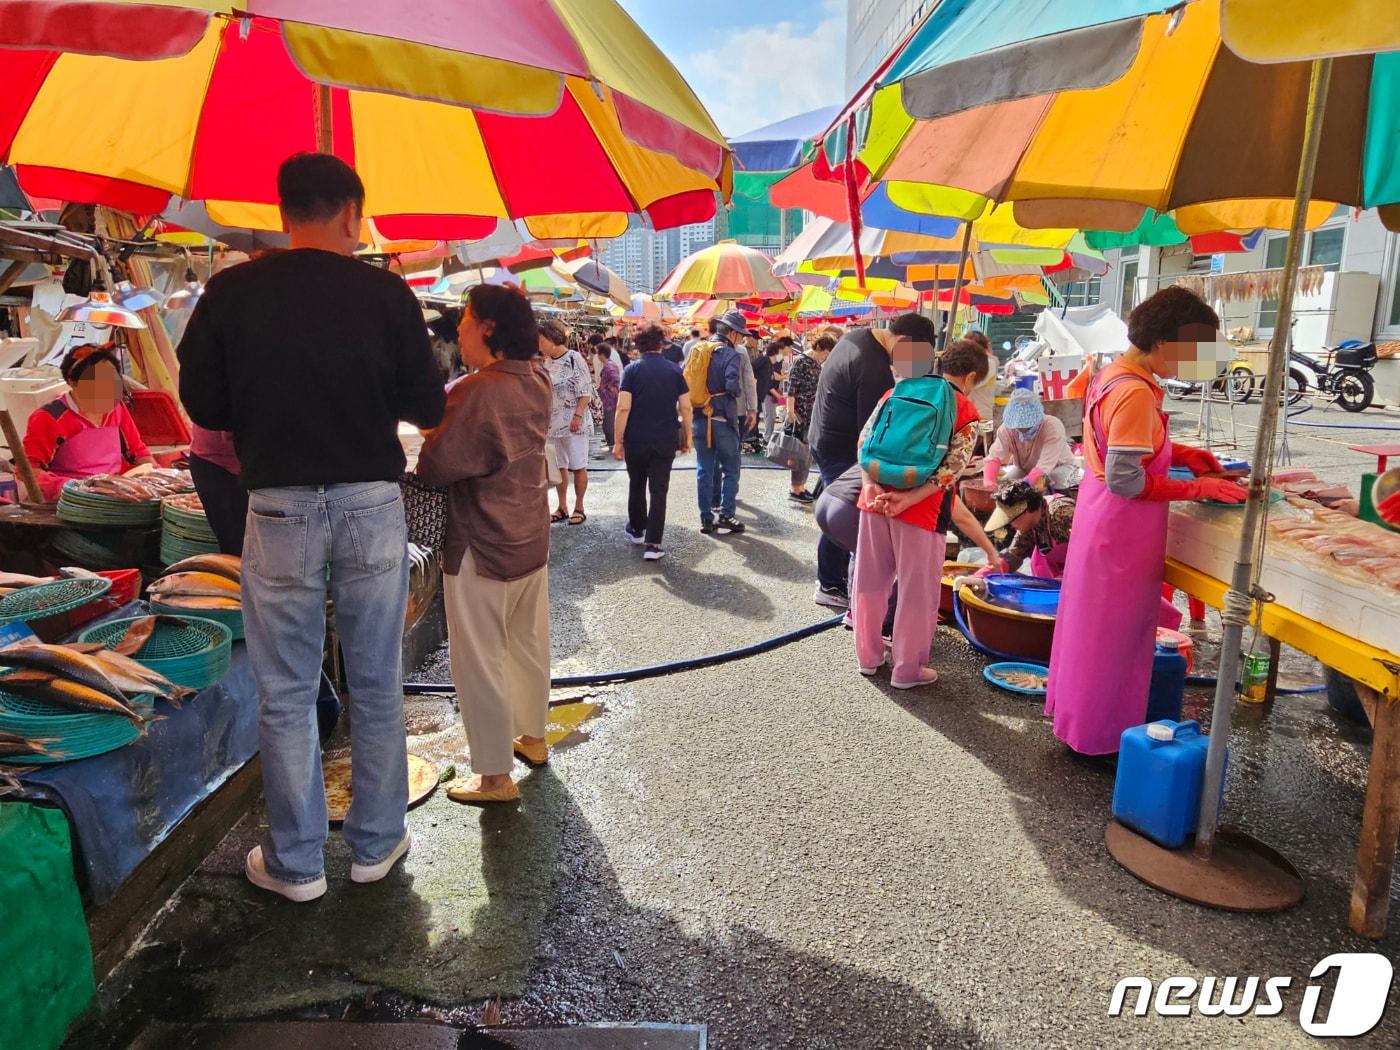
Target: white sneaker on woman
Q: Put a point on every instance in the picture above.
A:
(927, 676)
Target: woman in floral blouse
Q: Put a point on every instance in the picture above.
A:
(609, 378)
(802, 391)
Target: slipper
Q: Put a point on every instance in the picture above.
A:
(578, 517)
(558, 516)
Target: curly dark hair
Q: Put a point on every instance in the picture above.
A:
(1020, 492)
(963, 357)
(1163, 317)
(976, 335)
(824, 342)
(514, 333)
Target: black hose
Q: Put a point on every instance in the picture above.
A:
(1210, 680)
(655, 670)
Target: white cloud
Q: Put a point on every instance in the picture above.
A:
(755, 75)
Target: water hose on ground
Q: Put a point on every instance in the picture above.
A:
(636, 674)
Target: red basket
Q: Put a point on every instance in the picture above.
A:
(158, 418)
(126, 586)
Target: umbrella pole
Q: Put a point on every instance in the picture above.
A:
(1238, 600)
(957, 285)
(325, 130)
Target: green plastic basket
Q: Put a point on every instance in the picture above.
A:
(86, 508)
(72, 735)
(50, 599)
(194, 652)
(230, 618)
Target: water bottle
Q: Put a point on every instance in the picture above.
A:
(1168, 683)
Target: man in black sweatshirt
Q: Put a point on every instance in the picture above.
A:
(311, 358)
(853, 380)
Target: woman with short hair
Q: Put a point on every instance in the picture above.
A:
(489, 454)
(571, 422)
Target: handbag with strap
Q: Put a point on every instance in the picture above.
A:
(788, 450)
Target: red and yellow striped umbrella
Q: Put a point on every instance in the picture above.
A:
(457, 113)
(727, 270)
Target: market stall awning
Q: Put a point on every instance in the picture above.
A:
(450, 115)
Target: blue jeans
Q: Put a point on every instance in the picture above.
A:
(717, 466)
(348, 542)
(833, 563)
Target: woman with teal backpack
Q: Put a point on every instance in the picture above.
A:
(911, 452)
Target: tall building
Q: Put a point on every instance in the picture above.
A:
(643, 257)
(873, 27)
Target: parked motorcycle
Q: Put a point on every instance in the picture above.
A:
(1344, 373)
(1237, 386)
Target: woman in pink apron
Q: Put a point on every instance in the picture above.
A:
(87, 431)
(1101, 659)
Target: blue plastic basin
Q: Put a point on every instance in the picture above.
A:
(1029, 592)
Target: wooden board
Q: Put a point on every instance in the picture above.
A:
(422, 779)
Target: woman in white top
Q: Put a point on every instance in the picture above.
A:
(570, 422)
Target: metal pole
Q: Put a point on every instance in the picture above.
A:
(957, 285)
(1236, 613)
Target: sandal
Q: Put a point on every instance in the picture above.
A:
(558, 516)
(578, 517)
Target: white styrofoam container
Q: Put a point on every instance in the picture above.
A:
(24, 390)
(1207, 538)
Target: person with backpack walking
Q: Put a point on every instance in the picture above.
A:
(918, 440)
(714, 376)
(653, 422)
(852, 381)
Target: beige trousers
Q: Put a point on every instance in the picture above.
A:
(498, 634)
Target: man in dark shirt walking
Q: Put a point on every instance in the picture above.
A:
(653, 423)
(313, 397)
(853, 380)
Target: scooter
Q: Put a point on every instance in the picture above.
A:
(1237, 385)
(1344, 373)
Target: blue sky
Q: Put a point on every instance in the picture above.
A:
(752, 62)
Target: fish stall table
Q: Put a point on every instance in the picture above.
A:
(144, 816)
(1349, 625)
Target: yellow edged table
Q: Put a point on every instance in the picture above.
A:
(1376, 673)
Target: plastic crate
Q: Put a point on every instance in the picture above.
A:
(158, 418)
(126, 586)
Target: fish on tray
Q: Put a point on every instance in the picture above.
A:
(61, 661)
(13, 744)
(48, 688)
(1022, 679)
(195, 585)
(228, 566)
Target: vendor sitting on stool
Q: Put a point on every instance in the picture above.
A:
(1041, 525)
(1034, 444)
(88, 431)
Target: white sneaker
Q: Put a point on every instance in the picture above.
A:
(632, 537)
(375, 872)
(258, 875)
(927, 676)
(653, 552)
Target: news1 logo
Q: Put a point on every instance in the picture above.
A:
(1358, 998)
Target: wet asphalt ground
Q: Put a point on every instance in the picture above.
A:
(778, 848)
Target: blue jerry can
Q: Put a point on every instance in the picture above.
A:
(1158, 788)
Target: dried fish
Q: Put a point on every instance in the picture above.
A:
(1022, 679)
(196, 602)
(136, 636)
(49, 688)
(62, 661)
(13, 744)
(227, 565)
(195, 584)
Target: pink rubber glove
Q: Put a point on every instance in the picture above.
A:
(990, 467)
(1033, 478)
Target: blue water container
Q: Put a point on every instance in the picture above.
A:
(1158, 788)
(1168, 683)
(1027, 381)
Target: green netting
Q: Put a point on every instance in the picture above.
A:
(230, 618)
(67, 735)
(188, 650)
(46, 981)
(49, 599)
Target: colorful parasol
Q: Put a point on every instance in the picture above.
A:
(455, 112)
(727, 270)
(595, 277)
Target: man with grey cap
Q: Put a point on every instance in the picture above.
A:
(716, 431)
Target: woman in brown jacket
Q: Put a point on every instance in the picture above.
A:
(489, 452)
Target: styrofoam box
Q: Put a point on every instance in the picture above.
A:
(1207, 538)
(25, 390)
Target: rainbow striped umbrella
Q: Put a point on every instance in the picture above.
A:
(457, 113)
(727, 270)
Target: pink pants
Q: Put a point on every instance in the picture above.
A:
(888, 549)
